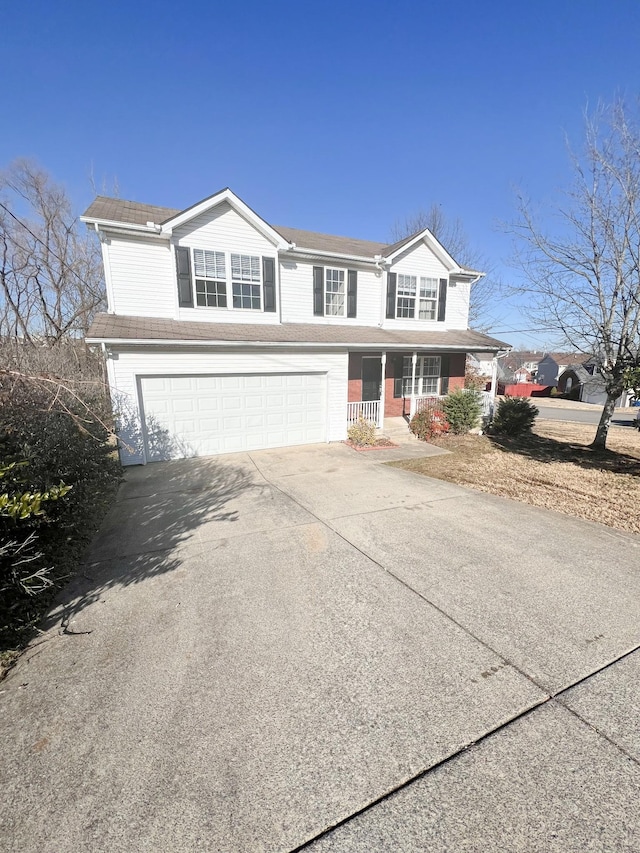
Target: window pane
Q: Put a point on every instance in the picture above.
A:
(245, 268)
(246, 296)
(208, 264)
(211, 294)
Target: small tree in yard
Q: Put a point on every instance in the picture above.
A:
(584, 276)
(514, 416)
(463, 410)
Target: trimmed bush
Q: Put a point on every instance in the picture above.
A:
(514, 416)
(362, 433)
(463, 410)
(429, 424)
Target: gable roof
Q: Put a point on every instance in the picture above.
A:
(331, 242)
(567, 358)
(118, 211)
(112, 328)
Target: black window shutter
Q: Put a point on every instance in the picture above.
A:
(442, 300)
(444, 374)
(391, 295)
(268, 284)
(352, 293)
(318, 291)
(183, 272)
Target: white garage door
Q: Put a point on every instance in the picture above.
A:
(205, 415)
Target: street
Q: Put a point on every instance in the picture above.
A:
(583, 416)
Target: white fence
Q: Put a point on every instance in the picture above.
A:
(367, 409)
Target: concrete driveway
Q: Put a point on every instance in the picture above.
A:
(308, 649)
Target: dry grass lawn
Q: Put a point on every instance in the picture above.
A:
(552, 468)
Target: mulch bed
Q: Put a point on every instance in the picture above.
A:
(381, 444)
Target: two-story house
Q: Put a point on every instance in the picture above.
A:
(225, 333)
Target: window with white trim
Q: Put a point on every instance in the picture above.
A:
(211, 279)
(334, 293)
(415, 302)
(427, 377)
(428, 298)
(245, 281)
(406, 296)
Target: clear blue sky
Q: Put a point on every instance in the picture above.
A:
(335, 117)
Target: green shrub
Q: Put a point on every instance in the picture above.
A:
(429, 424)
(463, 410)
(514, 416)
(54, 503)
(362, 433)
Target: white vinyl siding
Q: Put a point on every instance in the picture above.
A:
(296, 294)
(224, 232)
(143, 277)
(130, 364)
(420, 262)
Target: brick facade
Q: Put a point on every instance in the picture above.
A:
(395, 406)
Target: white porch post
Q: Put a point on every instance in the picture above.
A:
(494, 378)
(383, 361)
(412, 408)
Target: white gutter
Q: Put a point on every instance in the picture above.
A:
(150, 228)
(376, 345)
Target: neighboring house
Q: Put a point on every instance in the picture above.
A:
(481, 363)
(554, 363)
(522, 375)
(519, 364)
(225, 333)
(583, 382)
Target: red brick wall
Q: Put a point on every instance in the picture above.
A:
(457, 363)
(394, 406)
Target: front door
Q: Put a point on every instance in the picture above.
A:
(371, 378)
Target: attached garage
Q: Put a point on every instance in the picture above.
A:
(200, 415)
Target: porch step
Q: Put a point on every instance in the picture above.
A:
(397, 429)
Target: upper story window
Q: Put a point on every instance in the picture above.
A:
(212, 276)
(416, 297)
(415, 300)
(335, 292)
(245, 281)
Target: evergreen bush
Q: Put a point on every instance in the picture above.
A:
(514, 416)
(463, 410)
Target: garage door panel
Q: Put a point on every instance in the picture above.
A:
(202, 415)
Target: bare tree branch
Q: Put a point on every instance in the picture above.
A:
(582, 270)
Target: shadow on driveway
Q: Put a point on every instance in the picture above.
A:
(152, 525)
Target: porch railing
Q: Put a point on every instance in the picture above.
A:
(367, 409)
(432, 402)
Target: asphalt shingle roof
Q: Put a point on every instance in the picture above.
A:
(114, 327)
(134, 213)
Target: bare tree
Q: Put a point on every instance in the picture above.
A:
(451, 233)
(582, 271)
(50, 267)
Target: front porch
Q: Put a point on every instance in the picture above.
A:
(398, 385)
